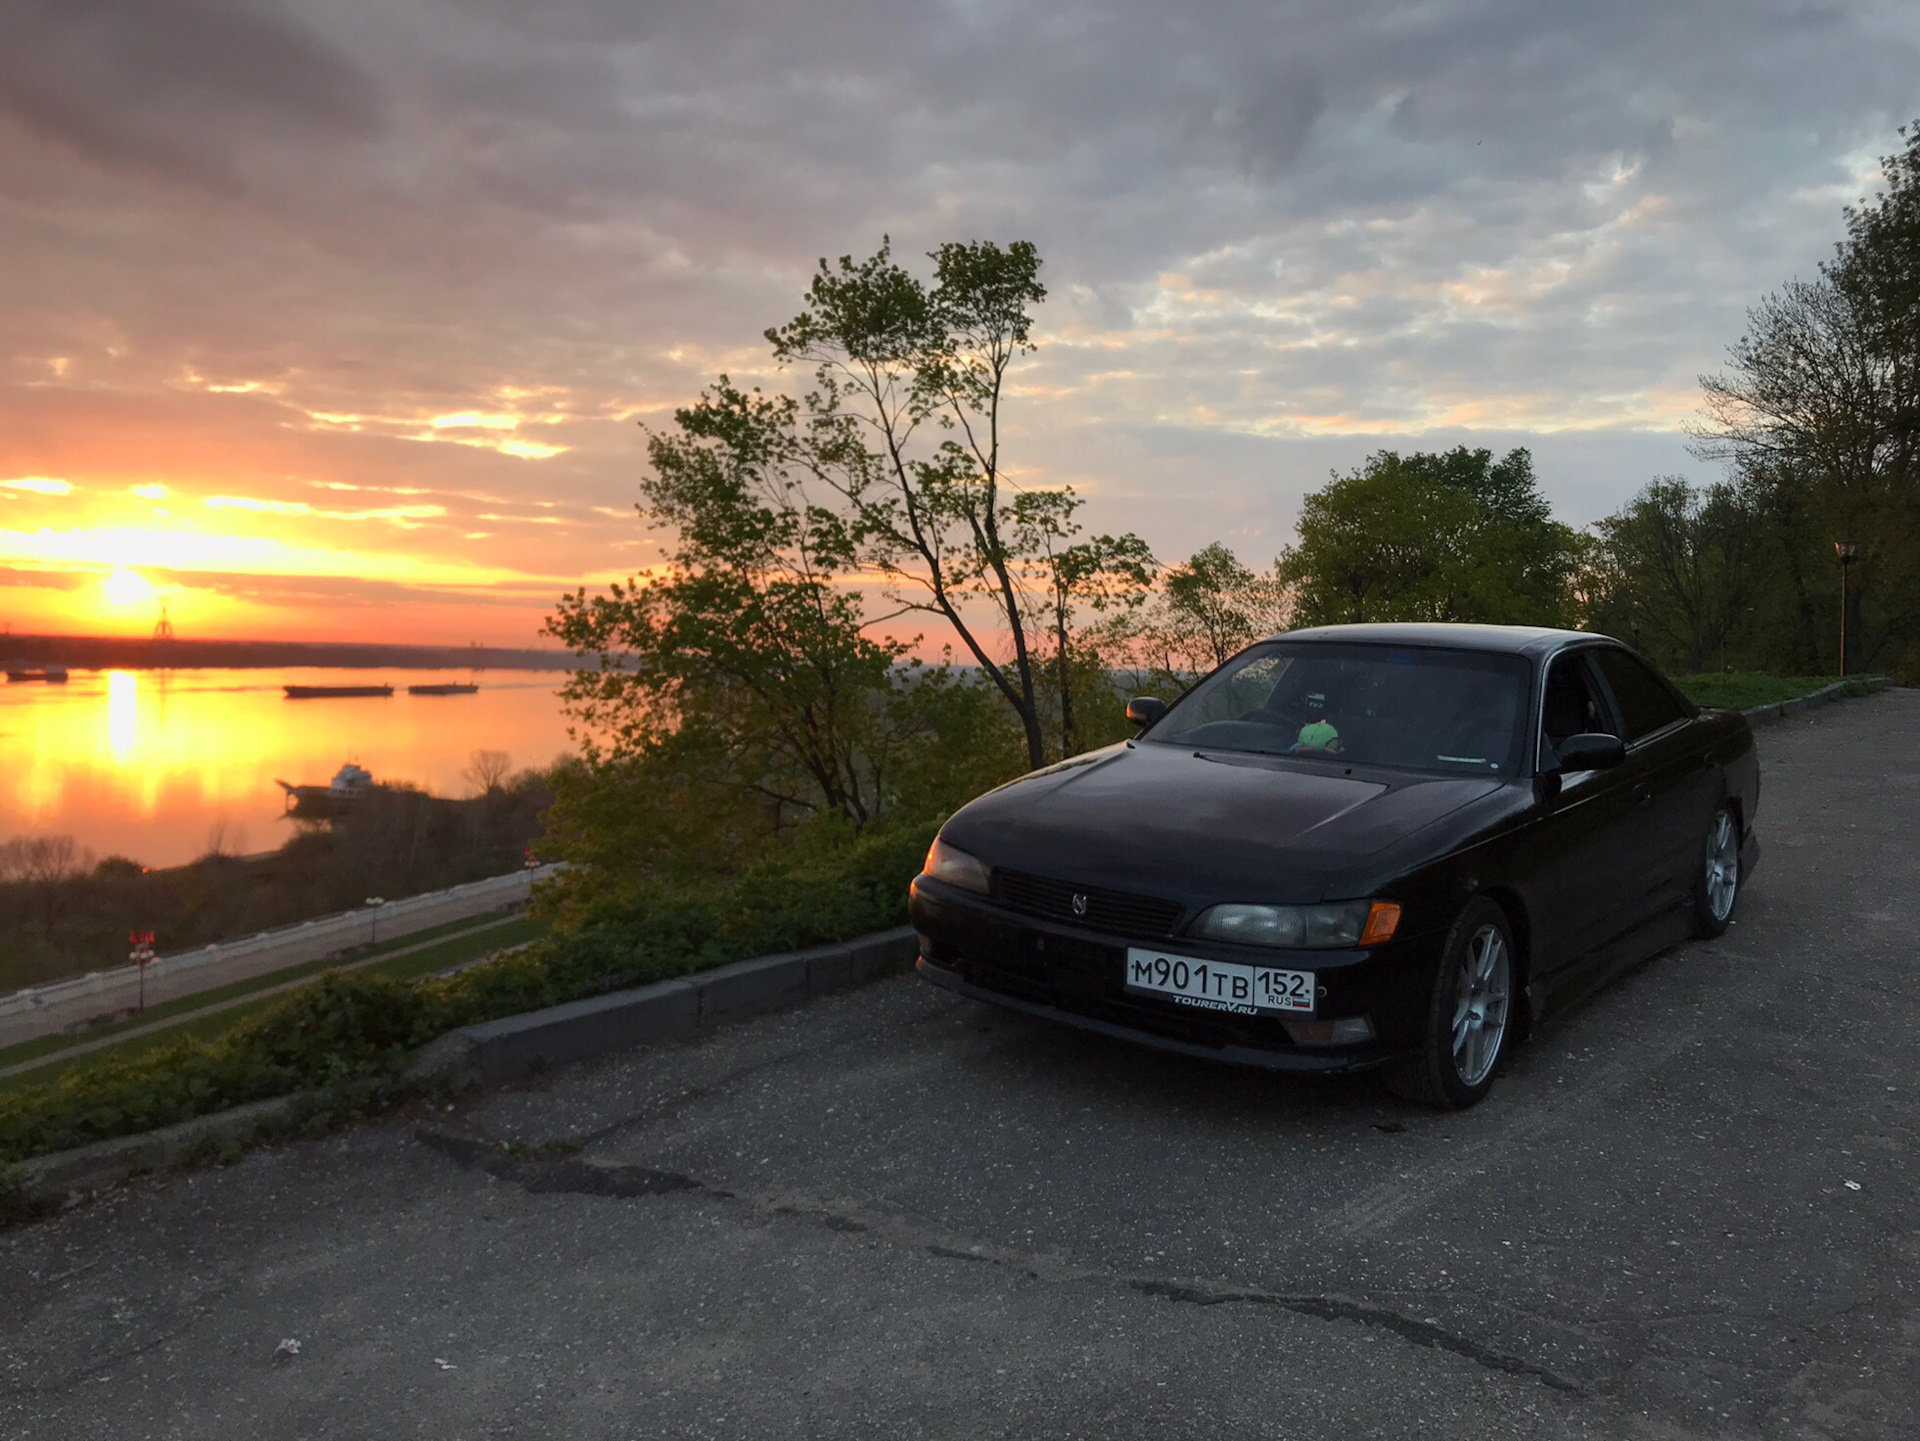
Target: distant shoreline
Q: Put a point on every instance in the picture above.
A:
(94, 652)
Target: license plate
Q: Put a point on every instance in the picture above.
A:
(1219, 985)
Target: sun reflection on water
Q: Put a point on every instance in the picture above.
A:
(123, 714)
(144, 763)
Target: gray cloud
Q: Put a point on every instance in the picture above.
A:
(41, 579)
(175, 85)
(1278, 235)
(339, 592)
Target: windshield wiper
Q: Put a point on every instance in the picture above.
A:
(1219, 751)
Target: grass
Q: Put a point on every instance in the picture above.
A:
(1743, 689)
(464, 948)
(452, 951)
(346, 1036)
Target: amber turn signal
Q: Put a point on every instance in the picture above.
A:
(1383, 918)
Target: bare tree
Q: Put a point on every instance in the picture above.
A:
(485, 770)
(225, 839)
(44, 865)
(1807, 391)
(43, 859)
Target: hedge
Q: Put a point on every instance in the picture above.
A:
(347, 1030)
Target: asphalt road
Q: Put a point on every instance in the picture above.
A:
(1688, 1211)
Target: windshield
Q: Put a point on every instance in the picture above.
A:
(1453, 711)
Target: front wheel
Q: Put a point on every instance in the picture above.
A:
(1716, 883)
(1469, 1015)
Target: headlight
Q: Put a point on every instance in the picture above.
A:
(957, 868)
(1328, 927)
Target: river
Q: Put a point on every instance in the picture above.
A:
(154, 765)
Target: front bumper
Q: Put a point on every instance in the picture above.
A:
(976, 948)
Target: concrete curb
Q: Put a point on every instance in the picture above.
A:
(1761, 715)
(49, 1180)
(494, 1053)
(515, 1047)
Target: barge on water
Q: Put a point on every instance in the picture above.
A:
(331, 692)
(319, 802)
(448, 688)
(52, 674)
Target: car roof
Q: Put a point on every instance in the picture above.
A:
(1524, 640)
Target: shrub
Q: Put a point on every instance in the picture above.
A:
(346, 1030)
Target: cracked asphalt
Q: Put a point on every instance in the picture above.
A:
(1687, 1211)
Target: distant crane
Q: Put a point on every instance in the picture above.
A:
(163, 628)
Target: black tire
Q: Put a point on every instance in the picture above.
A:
(1440, 1073)
(1716, 874)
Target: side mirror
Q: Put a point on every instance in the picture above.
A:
(1144, 710)
(1590, 751)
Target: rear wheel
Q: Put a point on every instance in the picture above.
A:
(1716, 884)
(1469, 1014)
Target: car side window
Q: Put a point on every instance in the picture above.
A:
(1646, 705)
(1571, 706)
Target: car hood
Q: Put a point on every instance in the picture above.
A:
(1205, 826)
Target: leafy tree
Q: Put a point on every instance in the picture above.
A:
(745, 664)
(1204, 610)
(1456, 536)
(904, 426)
(1820, 406)
(1679, 570)
(1107, 575)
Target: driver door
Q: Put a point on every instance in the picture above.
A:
(1585, 864)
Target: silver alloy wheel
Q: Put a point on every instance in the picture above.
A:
(1723, 865)
(1480, 1007)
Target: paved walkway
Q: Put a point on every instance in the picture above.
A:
(1688, 1213)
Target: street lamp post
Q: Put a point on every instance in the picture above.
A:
(1848, 552)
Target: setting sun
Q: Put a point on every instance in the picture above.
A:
(128, 587)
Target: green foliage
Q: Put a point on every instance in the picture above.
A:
(1677, 571)
(338, 1029)
(770, 680)
(353, 1030)
(678, 814)
(1457, 536)
(742, 704)
(1740, 690)
(1204, 610)
(1109, 576)
(64, 920)
(958, 739)
(745, 667)
(903, 425)
(1819, 413)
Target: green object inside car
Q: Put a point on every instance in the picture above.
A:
(1318, 736)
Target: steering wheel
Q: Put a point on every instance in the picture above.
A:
(1288, 719)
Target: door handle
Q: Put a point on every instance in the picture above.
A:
(1643, 796)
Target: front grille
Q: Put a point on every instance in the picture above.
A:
(1116, 912)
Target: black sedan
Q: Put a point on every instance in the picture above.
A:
(1355, 846)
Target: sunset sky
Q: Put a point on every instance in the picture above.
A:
(335, 319)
